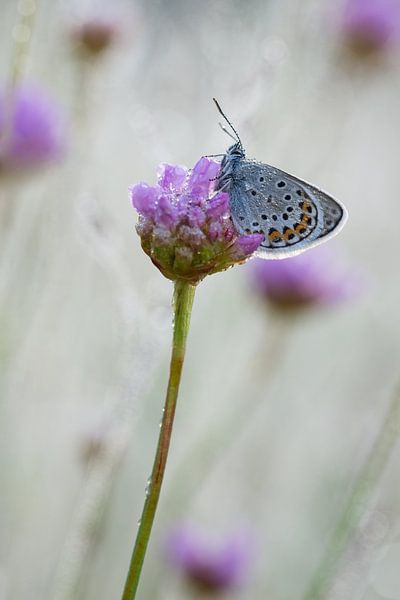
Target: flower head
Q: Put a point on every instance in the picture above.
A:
(94, 36)
(311, 278)
(371, 25)
(31, 130)
(185, 226)
(209, 566)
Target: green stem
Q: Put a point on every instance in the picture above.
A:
(370, 474)
(183, 301)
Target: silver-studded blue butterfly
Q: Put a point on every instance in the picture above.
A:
(292, 214)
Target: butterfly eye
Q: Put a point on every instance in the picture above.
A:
(261, 179)
(254, 193)
(289, 208)
(285, 217)
(264, 217)
(298, 192)
(274, 218)
(288, 197)
(281, 184)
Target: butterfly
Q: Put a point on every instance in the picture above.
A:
(293, 215)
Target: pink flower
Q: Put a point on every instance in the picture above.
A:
(210, 566)
(312, 278)
(371, 25)
(185, 226)
(31, 129)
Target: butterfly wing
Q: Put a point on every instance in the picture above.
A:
(292, 214)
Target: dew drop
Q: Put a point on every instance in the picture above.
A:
(148, 485)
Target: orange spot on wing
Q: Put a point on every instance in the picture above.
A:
(299, 228)
(288, 233)
(275, 235)
(304, 219)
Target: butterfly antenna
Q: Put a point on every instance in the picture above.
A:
(227, 132)
(221, 112)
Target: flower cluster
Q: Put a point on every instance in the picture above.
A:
(370, 25)
(185, 225)
(309, 279)
(210, 567)
(31, 130)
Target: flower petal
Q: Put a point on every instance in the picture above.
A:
(218, 206)
(144, 198)
(247, 244)
(171, 177)
(166, 212)
(196, 216)
(202, 176)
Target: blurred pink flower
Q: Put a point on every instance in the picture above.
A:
(31, 129)
(185, 226)
(371, 25)
(209, 566)
(311, 278)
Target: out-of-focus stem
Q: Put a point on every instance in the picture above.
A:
(183, 301)
(207, 451)
(22, 36)
(88, 517)
(143, 364)
(370, 474)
